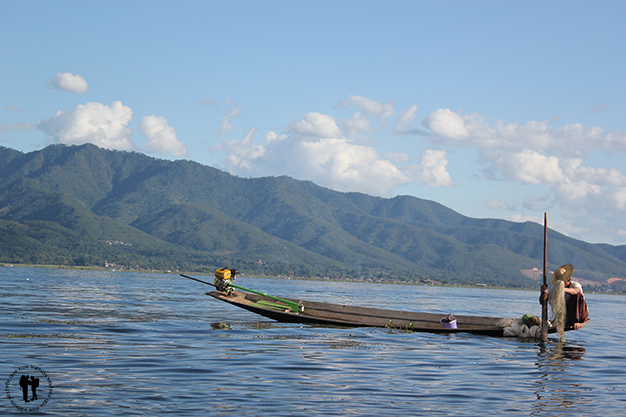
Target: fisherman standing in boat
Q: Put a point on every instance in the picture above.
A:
(567, 300)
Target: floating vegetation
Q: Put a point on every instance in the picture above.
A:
(220, 326)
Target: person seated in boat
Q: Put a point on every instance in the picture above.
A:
(566, 299)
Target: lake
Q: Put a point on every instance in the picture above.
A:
(124, 343)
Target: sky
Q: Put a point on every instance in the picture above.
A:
(507, 109)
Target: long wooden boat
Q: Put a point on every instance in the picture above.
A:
(312, 312)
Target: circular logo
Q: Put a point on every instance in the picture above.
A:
(28, 388)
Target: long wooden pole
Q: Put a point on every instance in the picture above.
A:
(544, 287)
(296, 307)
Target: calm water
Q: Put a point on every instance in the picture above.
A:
(142, 344)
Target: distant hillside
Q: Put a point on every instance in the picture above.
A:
(83, 205)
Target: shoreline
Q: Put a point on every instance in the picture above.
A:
(284, 277)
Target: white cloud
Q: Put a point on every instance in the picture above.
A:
(405, 119)
(102, 125)
(591, 199)
(595, 213)
(334, 162)
(431, 169)
(273, 136)
(618, 198)
(447, 124)
(73, 83)
(614, 141)
(346, 166)
(593, 175)
(369, 106)
(571, 193)
(225, 124)
(316, 125)
(12, 108)
(161, 136)
(356, 125)
(530, 167)
(318, 149)
(534, 153)
(242, 155)
(335, 152)
(572, 139)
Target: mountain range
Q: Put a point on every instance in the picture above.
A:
(83, 205)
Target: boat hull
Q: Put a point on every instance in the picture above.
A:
(353, 316)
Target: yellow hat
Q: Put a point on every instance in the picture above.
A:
(563, 273)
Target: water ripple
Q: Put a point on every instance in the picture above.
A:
(149, 344)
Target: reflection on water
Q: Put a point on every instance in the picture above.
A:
(562, 388)
(559, 351)
(152, 344)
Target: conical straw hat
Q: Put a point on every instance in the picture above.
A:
(563, 273)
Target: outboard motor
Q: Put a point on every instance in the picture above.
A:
(223, 278)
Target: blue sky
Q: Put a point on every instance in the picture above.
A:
(495, 109)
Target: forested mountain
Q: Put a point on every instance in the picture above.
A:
(83, 205)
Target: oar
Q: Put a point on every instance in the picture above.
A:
(296, 307)
(199, 280)
(544, 287)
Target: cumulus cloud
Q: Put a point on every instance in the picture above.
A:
(225, 124)
(369, 107)
(161, 136)
(552, 161)
(534, 153)
(346, 166)
(102, 125)
(241, 154)
(447, 124)
(323, 149)
(591, 198)
(338, 163)
(569, 182)
(316, 125)
(431, 169)
(572, 139)
(67, 81)
(618, 197)
(530, 167)
(356, 125)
